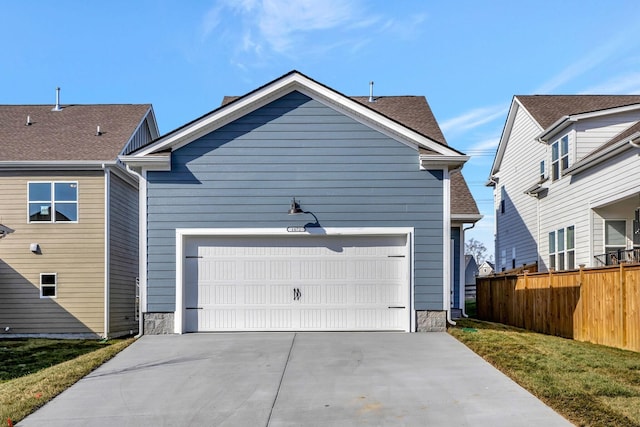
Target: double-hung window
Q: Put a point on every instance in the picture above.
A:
(53, 201)
(562, 254)
(48, 285)
(559, 157)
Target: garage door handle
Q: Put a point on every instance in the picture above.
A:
(397, 306)
(194, 308)
(296, 294)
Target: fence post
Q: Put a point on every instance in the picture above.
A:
(623, 306)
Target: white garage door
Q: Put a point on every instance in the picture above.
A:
(284, 283)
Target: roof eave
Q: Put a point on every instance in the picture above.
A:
(279, 87)
(466, 218)
(606, 154)
(430, 161)
(60, 165)
(154, 162)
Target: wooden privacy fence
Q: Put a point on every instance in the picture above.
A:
(598, 305)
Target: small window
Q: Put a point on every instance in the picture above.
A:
(48, 285)
(542, 170)
(53, 201)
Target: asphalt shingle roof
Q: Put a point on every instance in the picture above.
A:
(69, 134)
(547, 109)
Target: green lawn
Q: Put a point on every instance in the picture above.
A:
(34, 371)
(588, 384)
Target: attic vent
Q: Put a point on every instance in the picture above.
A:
(371, 92)
(57, 107)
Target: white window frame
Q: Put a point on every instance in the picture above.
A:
(52, 202)
(610, 247)
(562, 251)
(559, 164)
(49, 285)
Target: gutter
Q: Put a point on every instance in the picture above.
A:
(606, 154)
(559, 124)
(56, 165)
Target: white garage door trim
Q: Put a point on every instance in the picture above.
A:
(183, 233)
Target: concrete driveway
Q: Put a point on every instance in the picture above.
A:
(296, 379)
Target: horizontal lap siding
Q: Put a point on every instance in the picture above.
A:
(75, 251)
(123, 250)
(245, 174)
(519, 170)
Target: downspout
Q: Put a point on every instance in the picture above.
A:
(463, 273)
(142, 274)
(107, 247)
(634, 144)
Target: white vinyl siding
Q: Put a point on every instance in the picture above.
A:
(572, 201)
(590, 134)
(517, 227)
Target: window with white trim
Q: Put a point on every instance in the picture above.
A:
(562, 253)
(559, 157)
(53, 201)
(48, 285)
(542, 170)
(615, 235)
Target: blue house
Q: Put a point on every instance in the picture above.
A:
(295, 207)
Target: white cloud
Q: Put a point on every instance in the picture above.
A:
(626, 84)
(474, 118)
(615, 46)
(263, 28)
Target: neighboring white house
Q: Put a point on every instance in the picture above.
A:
(485, 269)
(566, 180)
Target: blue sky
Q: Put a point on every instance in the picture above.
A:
(467, 57)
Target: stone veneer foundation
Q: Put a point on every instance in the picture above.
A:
(432, 321)
(158, 323)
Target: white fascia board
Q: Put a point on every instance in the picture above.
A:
(279, 88)
(466, 218)
(430, 161)
(504, 137)
(56, 165)
(155, 162)
(565, 121)
(606, 154)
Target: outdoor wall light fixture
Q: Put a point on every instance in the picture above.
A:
(295, 209)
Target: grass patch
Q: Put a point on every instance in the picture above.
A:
(588, 384)
(470, 308)
(21, 395)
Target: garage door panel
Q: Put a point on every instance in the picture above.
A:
(297, 283)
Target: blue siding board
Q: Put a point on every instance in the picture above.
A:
(244, 174)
